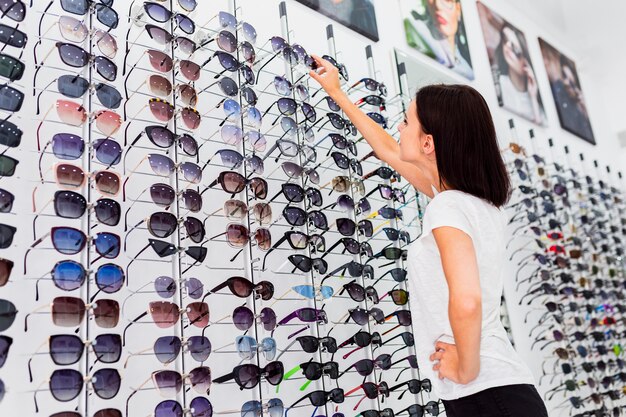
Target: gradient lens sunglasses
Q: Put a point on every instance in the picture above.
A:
(72, 177)
(198, 407)
(238, 210)
(69, 311)
(67, 349)
(68, 147)
(287, 107)
(76, 57)
(244, 318)
(232, 159)
(66, 384)
(164, 195)
(163, 224)
(165, 314)
(164, 111)
(160, 14)
(68, 275)
(76, 31)
(163, 63)
(170, 383)
(164, 138)
(233, 182)
(167, 348)
(74, 114)
(164, 166)
(71, 241)
(75, 86)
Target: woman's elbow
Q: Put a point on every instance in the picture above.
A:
(467, 306)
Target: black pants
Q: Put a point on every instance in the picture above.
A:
(520, 400)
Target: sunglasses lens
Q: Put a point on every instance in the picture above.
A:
(161, 164)
(191, 118)
(162, 62)
(274, 372)
(189, 69)
(108, 347)
(201, 407)
(169, 383)
(165, 286)
(159, 85)
(199, 348)
(200, 379)
(107, 244)
(192, 200)
(65, 349)
(226, 41)
(263, 239)
(109, 278)
(287, 106)
(346, 227)
(237, 235)
(162, 224)
(65, 384)
(68, 311)
(295, 216)
(108, 151)
(68, 275)
(107, 182)
(108, 122)
(161, 110)
(228, 86)
(278, 43)
(12, 36)
(164, 314)
(243, 318)
(7, 314)
(187, 95)
(259, 186)
(400, 297)
(249, 95)
(185, 24)
(268, 319)
(162, 194)
(231, 134)
(71, 113)
(6, 266)
(257, 140)
(248, 52)
(195, 230)
(168, 408)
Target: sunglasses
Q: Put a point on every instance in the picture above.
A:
(234, 183)
(362, 339)
(365, 367)
(12, 36)
(170, 383)
(5, 345)
(164, 138)
(247, 347)
(165, 314)
(243, 288)
(310, 344)
(160, 14)
(198, 407)
(164, 166)
(68, 275)
(66, 384)
(339, 123)
(74, 114)
(244, 318)
(294, 193)
(66, 146)
(232, 159)
(76, 57)
(287, 107)
(248, 376)
(76, 31)
(307, 315)
(238, 210)
(13, 9)
(10, 134)
(104, 12)
(358, 293)
(164, 38)
(70, 311)
(321, 398)
(354, 269)
(163, 224)
(343, 162)
(75, 86)
(371, 85)
(311, 291)
(254, 408)
(291, 149)
(164, 195)
(167, 348)
(306, 264)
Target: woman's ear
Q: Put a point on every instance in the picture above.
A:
(429, 145)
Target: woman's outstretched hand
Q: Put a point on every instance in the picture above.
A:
(327, 75)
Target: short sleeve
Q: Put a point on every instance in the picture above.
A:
(449, 208)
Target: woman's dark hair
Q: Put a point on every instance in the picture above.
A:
(466, 146)
(503, 66)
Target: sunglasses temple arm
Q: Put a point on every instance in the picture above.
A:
(266, 63)
(41, 92)
(130, 173)
(135, 391)
(35, 243)
(132, 94)
(46, 56)
(37, 216)
(130, 230)
(45, 116)
(297, 332)
(141, 352)
(133, 260)
(128, 75)
(135, 320)
(30, 372)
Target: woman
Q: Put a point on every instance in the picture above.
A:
(518, 87)
(448, 150)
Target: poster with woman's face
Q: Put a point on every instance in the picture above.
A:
(513, 73)
(358, 15)
(567, 92)
(436, 28)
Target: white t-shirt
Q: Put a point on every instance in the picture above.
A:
(499, 363)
